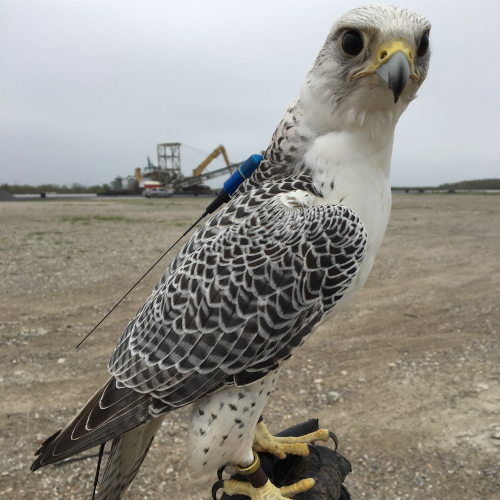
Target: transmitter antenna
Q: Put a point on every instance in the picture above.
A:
(243, 172)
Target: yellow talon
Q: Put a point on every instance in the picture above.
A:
(304, 485)
(268, 491)
(263, 441)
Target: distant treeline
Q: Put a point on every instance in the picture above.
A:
(52, 188)
(475, 184)
(80, 188)
(452, 186)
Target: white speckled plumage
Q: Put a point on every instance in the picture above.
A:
(294, 246)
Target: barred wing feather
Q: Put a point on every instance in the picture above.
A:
(247, 289)
(242, 294)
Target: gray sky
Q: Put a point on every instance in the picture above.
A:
(89, 88)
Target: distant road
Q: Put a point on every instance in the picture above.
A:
(93, 196)
(443, 191)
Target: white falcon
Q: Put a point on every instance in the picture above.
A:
(294, 245)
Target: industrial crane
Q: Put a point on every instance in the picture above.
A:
(216, 152)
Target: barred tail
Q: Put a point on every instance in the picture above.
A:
(128, 451)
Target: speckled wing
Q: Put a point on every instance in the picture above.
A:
(246, 290)
(110, 412)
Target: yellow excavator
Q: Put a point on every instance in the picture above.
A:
(216, 152)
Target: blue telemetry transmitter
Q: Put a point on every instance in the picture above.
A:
(242, 173)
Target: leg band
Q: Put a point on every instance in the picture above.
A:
(245, 471)
(254, 472)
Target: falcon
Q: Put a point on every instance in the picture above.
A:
(293, 247)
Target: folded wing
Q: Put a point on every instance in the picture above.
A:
(243, 293)
(236, 304)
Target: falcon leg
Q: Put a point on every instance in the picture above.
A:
(259, 487)
(268, 491)
(263, 441)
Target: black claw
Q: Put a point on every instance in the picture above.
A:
(216, 487)
(314, 449)
(335, 440)
(220, 470)
(344, 494)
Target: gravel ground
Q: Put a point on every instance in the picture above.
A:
(407, 376)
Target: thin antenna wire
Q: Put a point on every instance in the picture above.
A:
(101, 451)
(197, 150)
(139, 280)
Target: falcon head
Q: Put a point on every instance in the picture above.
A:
(375, 58)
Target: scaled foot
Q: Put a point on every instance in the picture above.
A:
(263, 441)
(268, 491)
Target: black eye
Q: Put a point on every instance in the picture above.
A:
(352, 42)
(424, 45)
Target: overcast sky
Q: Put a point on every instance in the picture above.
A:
(89, 88)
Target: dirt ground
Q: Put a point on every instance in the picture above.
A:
(407, 376)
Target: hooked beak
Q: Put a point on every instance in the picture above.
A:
(392, 67)
(394, 74)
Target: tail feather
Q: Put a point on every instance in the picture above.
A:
(128, 451)
(123, 410)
